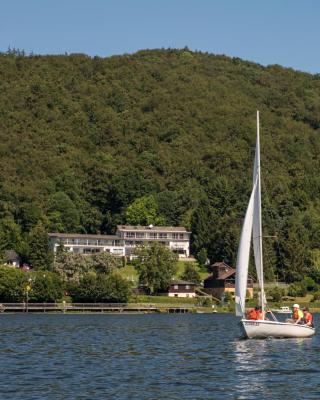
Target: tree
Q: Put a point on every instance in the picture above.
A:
(64, 215)
(71, 267)
(144, 211)
(297, 289)
(10, 235)
(12, 284)
(191, 273)
(40, 256)
(276, 293)
(101, 288)
(45, 286)
(105, 263)
(156, 266)
(294, 261)
(202, 257)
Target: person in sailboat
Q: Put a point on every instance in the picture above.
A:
(297, 314)
(256, 313)
(307, 317)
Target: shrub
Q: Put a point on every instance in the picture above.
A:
(191, 273)
(311, 285)
(316, 296)
(101, 288)
(297, 289)
(276, 293)
(204, 302)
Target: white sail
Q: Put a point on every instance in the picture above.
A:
(243, 258)
(257, 225)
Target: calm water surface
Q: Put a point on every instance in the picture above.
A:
(150, 357)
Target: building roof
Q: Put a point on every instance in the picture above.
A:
(227, 274)
(222, 274)
(83, 236)
(220, 264)
(180, 282)
(11, 255)
(152, 228)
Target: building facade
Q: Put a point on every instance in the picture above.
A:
(87, 244)
(176, 238)
(182, 289)
(223, 280)
(127, 238)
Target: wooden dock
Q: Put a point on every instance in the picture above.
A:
(141, 308)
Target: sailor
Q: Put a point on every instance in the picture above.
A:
(307, 317)
(252, 314)
(297, 314)
(256, 313)
(260, 315)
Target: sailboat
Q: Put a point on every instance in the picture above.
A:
(252, 227)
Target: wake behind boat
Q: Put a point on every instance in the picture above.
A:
(252, 226)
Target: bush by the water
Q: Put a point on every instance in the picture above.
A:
(41, 285)
(276, 293)
(297, 289)
(316, 296)
(102, 288)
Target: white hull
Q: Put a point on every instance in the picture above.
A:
(267, 329)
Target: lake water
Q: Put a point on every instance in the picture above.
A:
(136, 357)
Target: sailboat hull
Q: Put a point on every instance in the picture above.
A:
(274, 329)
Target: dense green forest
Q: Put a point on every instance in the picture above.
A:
(161, 135)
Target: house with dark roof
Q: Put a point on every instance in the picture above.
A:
(12, 258)
(182, 289)
(222, 280)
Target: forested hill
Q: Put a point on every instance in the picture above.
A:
(160, 136)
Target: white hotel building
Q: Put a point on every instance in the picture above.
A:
(127, 238)
(176, 238)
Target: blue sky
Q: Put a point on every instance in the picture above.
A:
(285, 32)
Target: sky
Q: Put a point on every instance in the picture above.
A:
(284, 32)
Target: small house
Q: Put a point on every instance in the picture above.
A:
(222, 280)
(182, 289)
(12, 258)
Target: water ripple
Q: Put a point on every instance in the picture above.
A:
(140, 357)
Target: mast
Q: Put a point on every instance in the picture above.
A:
(257, 220)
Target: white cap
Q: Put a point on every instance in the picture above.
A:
(296, 306)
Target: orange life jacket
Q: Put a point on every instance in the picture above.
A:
(308, 318)
(253, 314)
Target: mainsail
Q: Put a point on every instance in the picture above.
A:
(257, 226)
(243, 257)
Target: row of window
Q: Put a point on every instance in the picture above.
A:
(137, 243)
(92, 242)
(153, 235)
(177, 287)
(94, 250)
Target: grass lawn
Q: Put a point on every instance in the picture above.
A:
(162, 300)
(129, 272)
